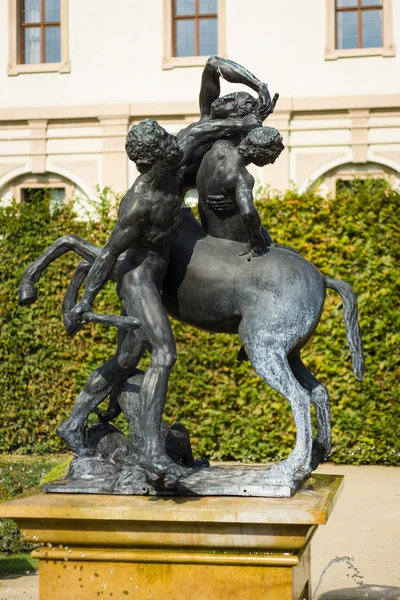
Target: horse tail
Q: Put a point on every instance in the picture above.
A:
(350, 314)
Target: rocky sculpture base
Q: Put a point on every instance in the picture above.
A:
(113, 468)
(212, 481)
(119, 547)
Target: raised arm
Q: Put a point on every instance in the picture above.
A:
(216, 68)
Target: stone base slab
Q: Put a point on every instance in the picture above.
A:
(174, 548)
(211, 481)
(97, 573)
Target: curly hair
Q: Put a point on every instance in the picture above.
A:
(262, 140)
(148, 142)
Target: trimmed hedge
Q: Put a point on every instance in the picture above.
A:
(231, 414)
(18, 475)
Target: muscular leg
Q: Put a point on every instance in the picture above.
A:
(99, 385)
(141, 297)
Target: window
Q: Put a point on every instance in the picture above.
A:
(193, 31)
(40, 40)
(38, 34)
(30, 188)
(358, 24)
(359, 28)
(195, 27)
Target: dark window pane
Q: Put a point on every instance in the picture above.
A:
(52, 50)
(371, 2)
(208, 37)
(31, 11)
(345, 3)
(347, 29)
(371, 28)
(31, 45)
(185, 7)
(208, 7)
(185, 37)
(52, 11)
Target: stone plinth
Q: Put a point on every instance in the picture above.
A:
(174, 548)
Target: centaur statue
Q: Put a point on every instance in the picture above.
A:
(224, 275)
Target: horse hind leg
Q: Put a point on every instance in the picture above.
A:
(27, 293)
(270, 362)
(320, 400)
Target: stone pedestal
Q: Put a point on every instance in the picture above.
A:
(174, 548)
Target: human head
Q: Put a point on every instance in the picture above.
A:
(261, 146)
(234, 105)
(148, 143)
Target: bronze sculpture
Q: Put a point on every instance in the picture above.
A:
(224, 275)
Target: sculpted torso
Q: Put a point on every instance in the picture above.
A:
(156, 213)
(219, 173)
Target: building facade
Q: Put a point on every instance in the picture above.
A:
(76, 74)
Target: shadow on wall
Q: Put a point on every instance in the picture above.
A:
(375, 592)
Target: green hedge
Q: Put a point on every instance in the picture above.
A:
(230, 413)
(17, 475)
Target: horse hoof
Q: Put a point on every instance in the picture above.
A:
(27, 294)
(72, 327)
(319, 453)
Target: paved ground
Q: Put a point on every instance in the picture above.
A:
(25, 587)
(365, 525)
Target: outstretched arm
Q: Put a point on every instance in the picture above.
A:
(122, 236)
(210, 131)
(216, 68)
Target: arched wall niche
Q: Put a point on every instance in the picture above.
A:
(17, 185)
(326, 180)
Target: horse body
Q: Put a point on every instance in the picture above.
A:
(274, 302)
(210, 286)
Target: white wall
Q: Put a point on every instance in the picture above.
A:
(116, 51)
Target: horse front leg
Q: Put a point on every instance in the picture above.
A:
(27, 293)
(71, 295)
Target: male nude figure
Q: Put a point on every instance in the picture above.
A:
(226, 188)
(149, 221)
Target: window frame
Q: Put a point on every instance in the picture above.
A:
(359, 8)
(387, 49)
(197, 17)
(15, 64)
(170, 61)
(42, 24)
